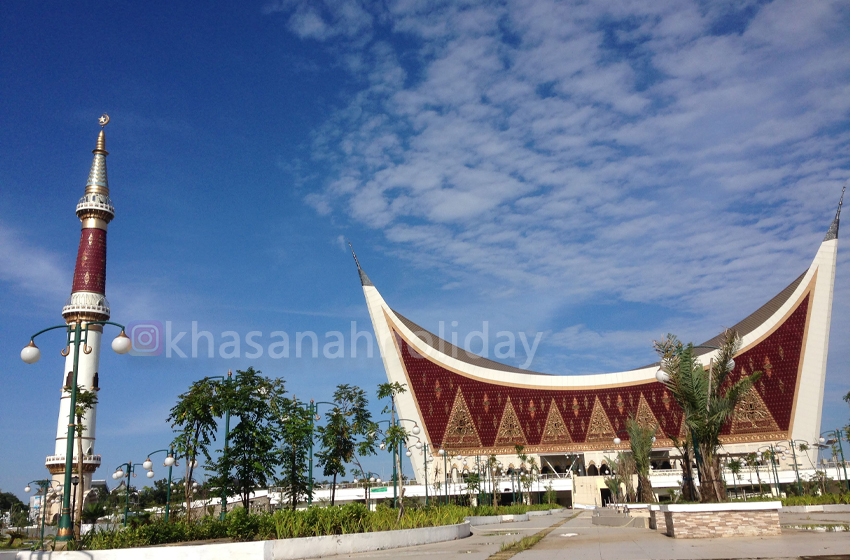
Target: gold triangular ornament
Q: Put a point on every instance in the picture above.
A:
(555, 430)
(645, 417)
(510, 432)
(600, 429)
(752, 415)
(460, 431)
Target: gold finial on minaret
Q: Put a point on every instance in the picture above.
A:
(101, 138)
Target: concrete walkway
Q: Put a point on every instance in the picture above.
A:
(485, 541)
(579, 539)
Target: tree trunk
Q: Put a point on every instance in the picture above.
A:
(645, 494)
(400, 506)
(711, 483)
(333, 491)
(689, 488)
(719, 481)
(293, 487)
(187, 490)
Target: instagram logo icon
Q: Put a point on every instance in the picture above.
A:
(146, 337)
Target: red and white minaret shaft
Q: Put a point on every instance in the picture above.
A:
(87, 303)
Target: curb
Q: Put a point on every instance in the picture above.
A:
(825, 508)
(474, 521)
(281, 549)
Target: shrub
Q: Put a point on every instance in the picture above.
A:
(817, 500)
(240, 525)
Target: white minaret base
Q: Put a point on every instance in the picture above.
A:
(86, 370)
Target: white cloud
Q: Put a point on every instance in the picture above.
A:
(32, 269)
(677, 153)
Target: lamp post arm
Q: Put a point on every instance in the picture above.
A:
(48, 329)
(119, 325)
(152, 453)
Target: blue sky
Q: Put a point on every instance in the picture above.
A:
(601, 173)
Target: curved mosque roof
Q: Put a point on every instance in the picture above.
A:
(473, 405)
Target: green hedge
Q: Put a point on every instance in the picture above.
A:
(823, 499)
(239, 525)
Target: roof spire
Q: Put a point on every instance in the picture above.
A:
(364, 280)
(832, 232)
(98, 183)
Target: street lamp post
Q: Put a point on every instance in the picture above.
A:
(423, 446)
(169, 462)
(313, 408)
(837, 435)
(443, 453)
(44, 486)
(753, 461)
(771, 454)
(120, 473)
(74, 480)
(794, 442)
(482, 480)
(394, 449)
(368, 479)
(227, 379)
(75, 332)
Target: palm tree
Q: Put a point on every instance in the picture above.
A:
(753, 462)
(734, 467)
(640, 441)
(92, 512)
(623, 467)
(708, 398)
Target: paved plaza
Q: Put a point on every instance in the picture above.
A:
(580, 539)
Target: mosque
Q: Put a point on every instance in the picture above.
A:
(467, 406)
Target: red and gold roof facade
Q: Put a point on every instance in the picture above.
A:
(475, 416)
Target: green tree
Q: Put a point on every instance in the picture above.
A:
(156, 496)
(473, 485)
(523, 457)
(7, 500)
(686, 453)
(551, 496)
(85, 401)
(623, 468)
(92, 512)
(735, 466)
(296, 435)
(251, 458)
(752, 461)
(613, 484)
(640, 442)
(708, 397)
(194, 420)
(346, 433)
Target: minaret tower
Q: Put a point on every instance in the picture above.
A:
(87, 303)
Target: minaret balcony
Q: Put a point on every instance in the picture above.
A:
(56, 463)
(94, 203)
(86, 302)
